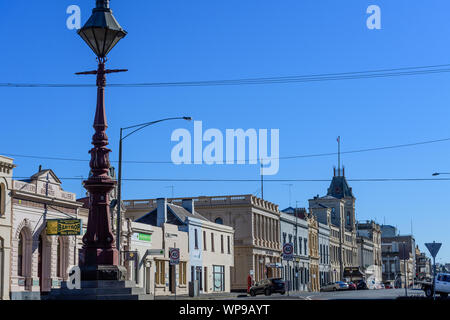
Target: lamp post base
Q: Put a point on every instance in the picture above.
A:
(103, 272)
(100, 290)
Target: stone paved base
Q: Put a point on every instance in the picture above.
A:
(100, 290)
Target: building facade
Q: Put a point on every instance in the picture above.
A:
(256, 224)
(398, 256)
(210, 244)
(6, 171)
(369, 251)
(342, 221)
(294, 229)
(324, 254)
(40, 262)
(148, 262)
(424, 268)
(313, 240)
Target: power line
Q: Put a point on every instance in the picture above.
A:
(257, 180)
(279, 158)
(380, 73)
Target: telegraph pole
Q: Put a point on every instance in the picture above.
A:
(406, 270)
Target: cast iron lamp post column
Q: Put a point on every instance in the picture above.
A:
(100, 256)
(119, 182)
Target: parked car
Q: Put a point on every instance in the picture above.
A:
(387, 285)
(362, 285)
(352, 286)
(268, 286)
(332, 286)
(342, 285)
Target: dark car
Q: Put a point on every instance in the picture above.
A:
(268, 286)
(361, 285)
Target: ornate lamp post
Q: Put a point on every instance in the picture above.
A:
(99, 255)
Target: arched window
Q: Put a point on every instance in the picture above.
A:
(2, 199)
(58, 257)
(20, 256)
(348, 217)
(218, 220)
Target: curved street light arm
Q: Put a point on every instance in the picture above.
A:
(143, 125)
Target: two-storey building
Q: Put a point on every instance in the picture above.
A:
(6, 171)
(294, 229)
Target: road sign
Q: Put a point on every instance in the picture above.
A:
(174, 255)
(433, 248)
(288, 251)
(155, 252)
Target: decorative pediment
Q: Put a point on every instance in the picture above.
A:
(44, 175)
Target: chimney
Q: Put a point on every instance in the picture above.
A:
(161, 211)
(343, 171)
(188, 204)
(334, 171)
(40, 168)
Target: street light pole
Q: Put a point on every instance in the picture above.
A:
(406, 270)
(100, 256)
(119, 182)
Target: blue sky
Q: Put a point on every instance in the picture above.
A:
(208, 40)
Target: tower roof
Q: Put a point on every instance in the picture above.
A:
(339, 188)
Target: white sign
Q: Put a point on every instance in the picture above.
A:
(155, 252)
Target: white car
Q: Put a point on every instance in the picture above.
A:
(442, 285)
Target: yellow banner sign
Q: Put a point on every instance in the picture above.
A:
(64, 227)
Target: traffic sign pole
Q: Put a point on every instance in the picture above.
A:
(434, 249)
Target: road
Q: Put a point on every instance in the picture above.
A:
(339, 295)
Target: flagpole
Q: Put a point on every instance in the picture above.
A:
(339, 155)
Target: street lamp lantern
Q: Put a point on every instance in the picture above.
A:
(102, 31)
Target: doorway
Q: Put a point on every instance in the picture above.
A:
(198, 277)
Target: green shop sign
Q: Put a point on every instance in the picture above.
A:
(142, 236)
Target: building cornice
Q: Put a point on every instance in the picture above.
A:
(45, 200)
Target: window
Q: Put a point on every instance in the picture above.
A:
(300, 244)
(221, 244)
(348, 218)
(183, 266)
(196, 239)
(58, 258)
(2, 199)
(284, 237)
(219, 220)
(212, 242)
(20, 256)
(306, 246)
(228, 243)
(204, 240)
(206, 278)
(160, 275)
